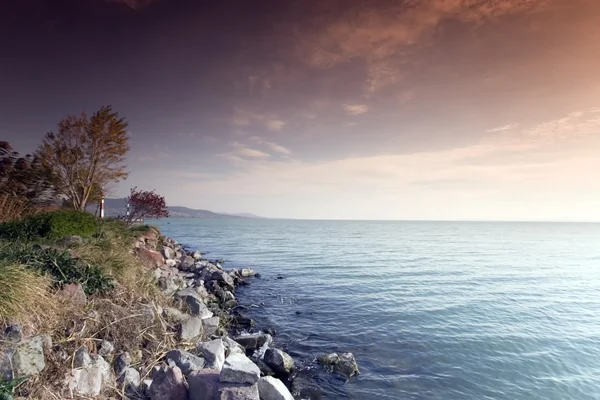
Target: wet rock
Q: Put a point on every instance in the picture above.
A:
(74, 294)
(13, 334)
(271, 388)
(168, 253)
(210, 325)
(190, 329)
(265, 370)
(106, 348)
(213, 352)
(91, 374)
(122, 362)
(223, 278)
(187, 362)
(280, 362)
(239, 369)
(167, 384)
(246, 272)
(204, 385)
(238, 392)
(25, 359)
(254, 341)
(344, 364)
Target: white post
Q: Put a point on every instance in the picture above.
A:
(102, 207)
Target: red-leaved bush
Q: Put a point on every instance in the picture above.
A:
(146, 204)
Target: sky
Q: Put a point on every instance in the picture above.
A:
(325, 109)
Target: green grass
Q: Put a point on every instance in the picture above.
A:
(52, 225)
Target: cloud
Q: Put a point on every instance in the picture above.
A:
(502, 128)
(275, 124)
(278, 148)
(240, 152)
(244, 118)
(355, 109)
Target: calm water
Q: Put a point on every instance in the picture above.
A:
(431, 310)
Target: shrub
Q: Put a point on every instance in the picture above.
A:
(60, 266)
(52, 225)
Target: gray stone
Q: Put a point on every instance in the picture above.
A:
(13, 334)
(213, 352)
(174, 315)
(106, 348)
(171, 263)
(186, 263)
(232, 347)
(91, 375)
(246, 272)
(230, 391)
(210, 325)
(254, 341)
(187, 362)
(204, 385)
(196, 255)
(129, 380)
(192, 298)
(280, 362)
(239, 369)
(223, 277)
(167, 384)
(168, 285)
(190, 329)
(26, 359)
(344, 364)
(122, 362)
(270, 388)
(168, 253)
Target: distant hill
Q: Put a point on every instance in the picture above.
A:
(118, 207)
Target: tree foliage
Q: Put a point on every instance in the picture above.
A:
(146, 204)
(86, 154)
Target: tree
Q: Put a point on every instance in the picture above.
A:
(146, 204)
(86, 154)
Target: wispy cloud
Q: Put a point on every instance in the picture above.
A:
(243, 118)
(275, 124)
(355, 109)
(503, 128)
(278, 148)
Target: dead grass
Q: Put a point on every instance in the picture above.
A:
(11, 208)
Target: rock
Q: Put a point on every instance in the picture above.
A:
(69, 241)
(197, 306)
(187, 362)
(204, 385)
(253, 341)
(167, 384)
(129, 380)
(224, 278)
(270, 388)
(186, 263)
(280, 362)
(167, 285)
(232, 347)
(13, 334)
(210, 325)
(243, 322)
(91, 374)
(171, 263)
(213, 352)
(344, 364)
(74, 294)
(246, 272)
(265, 370)
(122, 362)
(106, 348)
(26, 359)
(174, 315)
(151, 256)
(239, 369)
(238, 392)
(168, 253)
(196, 255)
(190, 329)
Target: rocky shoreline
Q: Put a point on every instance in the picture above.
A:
(217, 355)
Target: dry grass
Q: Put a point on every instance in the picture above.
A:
(25, 297)
(11, 208)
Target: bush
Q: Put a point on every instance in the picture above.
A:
(60, 266)
(51, 225)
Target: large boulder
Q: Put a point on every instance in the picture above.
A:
(247, 272)
(190, 329)
(186, 263)
(187, 362)
(213, 352)
(232, 347)
(91, 374)
(223, 278)
(271, 388)
(280, 362)
(344, 364)
(231, 391)
(168, 253)
(239, 369)
(210, 325)
(167, 384)
(254, 341)
(25, 358)
(204, 385)
(196, 304)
